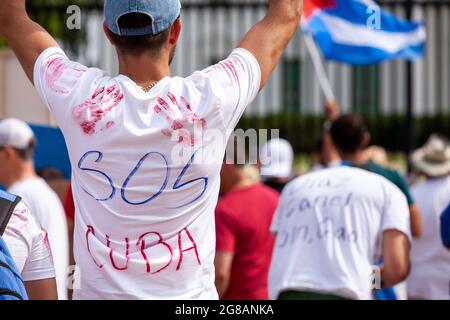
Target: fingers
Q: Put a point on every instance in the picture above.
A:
(112, 98)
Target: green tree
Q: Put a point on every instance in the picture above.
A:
(52, 15)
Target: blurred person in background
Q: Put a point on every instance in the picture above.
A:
(17, 173)
(330, 226)
(430, 273)
(351, 137)
(276, 159)
(325, 154)
(56, 180)
(377, 155)
(28, 244)
(252, 172)
(244, 243)
(69, 209)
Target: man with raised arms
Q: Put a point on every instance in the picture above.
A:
(144, 220)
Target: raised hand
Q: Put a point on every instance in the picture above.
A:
(332, 110)
(26, 38)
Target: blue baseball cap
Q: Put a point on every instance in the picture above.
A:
(163, 14)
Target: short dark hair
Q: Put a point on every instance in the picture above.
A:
(319, 144)
(136, 45)
(50, 174)
(27, 153)
(347, 133)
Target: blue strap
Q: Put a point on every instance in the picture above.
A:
(7, 204)
(445, 227)
(7, 196)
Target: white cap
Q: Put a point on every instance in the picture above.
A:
(276, 157)
(15, 133)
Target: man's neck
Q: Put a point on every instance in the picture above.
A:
(24, 171)
(144, 70)
(356, 158)
(241, 183)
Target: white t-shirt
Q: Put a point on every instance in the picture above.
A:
(430, 272)
(29, 245)
(144, 225)
(46, 207)
(329, 227)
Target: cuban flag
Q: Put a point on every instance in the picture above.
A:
(361, 32)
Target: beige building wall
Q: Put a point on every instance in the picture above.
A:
(18, 98)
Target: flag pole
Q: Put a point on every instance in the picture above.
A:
(409, 141)
(319, 67)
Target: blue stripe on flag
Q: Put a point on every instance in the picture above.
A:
(354, 54)
(369, 55)
(356, 13)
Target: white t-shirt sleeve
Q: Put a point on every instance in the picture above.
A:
(29, 246)
(57, 80)
(276, 220)
(235, 82)
(280, 212)
(396, 211)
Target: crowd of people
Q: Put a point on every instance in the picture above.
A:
(278, 235)
(353, 211)
(143, 221)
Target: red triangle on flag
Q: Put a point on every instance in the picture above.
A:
(310, 6)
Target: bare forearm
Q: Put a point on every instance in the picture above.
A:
(390, 276)
(269, 37)
(222, 284)
(285, 10)
(26, 38)
(10, 13)
(397, 263)
(223, 263)
(42, 289)
(416, 221)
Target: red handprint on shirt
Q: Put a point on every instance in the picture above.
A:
(184, 124)
(92, 112)
(61, 74)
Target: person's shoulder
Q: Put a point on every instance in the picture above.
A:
(223, 204)
(29, 188)
(21, 188)
(267, 191)
(431, 188)
(392, 188)
(225, 211)
(383, 170)
(392, 175)
(50, 195)
(22, 222)
(239, 60)
(21, 211)
(371, 166)
(54, 64)
(297, 182)
(36, 193)
(367, 177)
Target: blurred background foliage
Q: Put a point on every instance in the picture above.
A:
(52, 15)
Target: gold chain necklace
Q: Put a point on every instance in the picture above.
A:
(149, 87)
